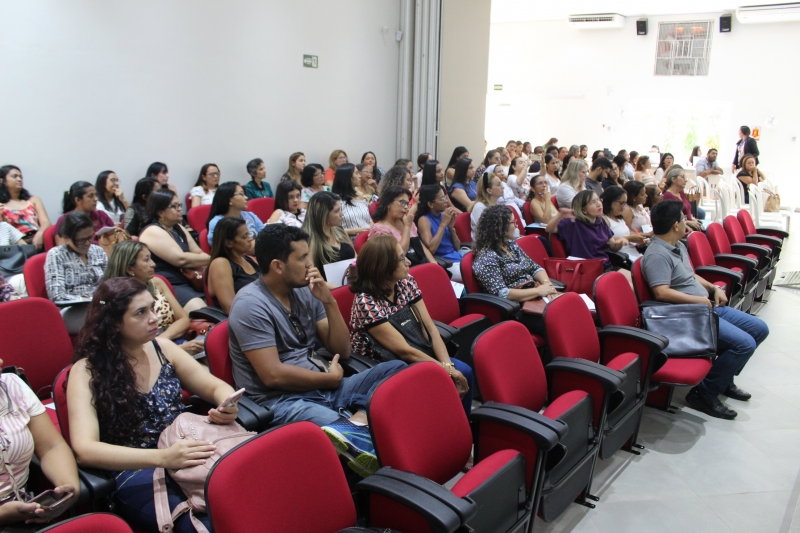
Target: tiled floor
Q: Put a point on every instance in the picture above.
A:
(702, 474)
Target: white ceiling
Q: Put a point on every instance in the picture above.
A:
(518, 10)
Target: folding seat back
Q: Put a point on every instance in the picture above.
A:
(526, 212)
(91, 523)
(640, 285)
(40, 343)
(198, 217)
(203, 238)
(265, 484)
(49, 238)
(463, 228)
(438, 294)
(60, 402)
(558, 246)
(534, 249)
(360, 240)
(470, 282)
(218, 352)
(700, 251)
(262, 208)
(344, 299)
(615, 301)
(718, 238)
(746, 221)
(520, 224)
(734, 230)
(34, 276)
(570, 328)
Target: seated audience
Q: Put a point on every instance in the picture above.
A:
(131, 259)
(403, 162)
(398, 176)
(355, 207)
(287, 205)
(551, 172)
(492, 158)
(258, 186)
(458, 153)
(230, 201)
(500, 266)
(636, 216)
(328, 242)
(708, 165)
(674, 183)
(136, 213)
(368, 189)
(313, 181)
(73, 270)
(172, 248)
(206, 185)
(509, 197)
(160, 173)
(585, 231)
(749, 175)
(230, 268)
(27, 430)
(111, 198)
(518, 180)
(598, 173)
(654, 195)
(669, 273)
(297, 162)
(275, 324)
(337, 159)
(463, 190)
(615, 200)
(490, 190)
(124, 390)
(541, 206)
(633, 160)
(573, 181)
(421, 160)
(394, 216)
(627, 170)
(383, 288)
(642, 173)
(612, 176)
(666, 161)
(23, 211)
(697, 153)
(369, 159)
(436, 224)
(82, 197)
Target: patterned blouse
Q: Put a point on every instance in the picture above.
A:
(498, 273)
(67, 277)
(369, 311)
(164, 312)
(24, 220)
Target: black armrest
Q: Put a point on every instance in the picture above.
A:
(352, 365)
(447, 332)
(212, 314)
(719, 271)
(444, 263)
(619, 259)
(252, 416)
(545, 431)
(507, 308)
(773, 232)
(611, 380)
(655, 343)
(560, 286)
(764, 240)
(442, 509)
(96, 484)
(735, 260)
(742, 248)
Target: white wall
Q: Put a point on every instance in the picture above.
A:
(90, 85)
(598, 88)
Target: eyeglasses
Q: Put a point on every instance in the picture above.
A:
(404, 203)
(401, 258)
(213, 174)
(83, 242)
(298, 327)
(176, 206)
(114, 180)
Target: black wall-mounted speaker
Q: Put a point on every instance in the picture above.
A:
(641, 27)
(725, 24)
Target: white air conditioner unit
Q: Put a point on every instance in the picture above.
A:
(600, 21)
(768, 13)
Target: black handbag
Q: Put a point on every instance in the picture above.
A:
(416, 255)
(692, 329)
(13, 257)
(408, 322)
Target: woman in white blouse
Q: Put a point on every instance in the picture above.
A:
(355, 207)
(287, 205)
(573, 182)
(206, 186)
(110, 197)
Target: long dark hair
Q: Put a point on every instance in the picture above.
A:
(115, 396)
(429, 173)
(427, 194)
(460, 175)
(141, 192)
(5, 194)
(158, 202)
(282, 195)
(343, 183)
(100, 187)
(155, 169)
(203, 172)
(222, 200)
(389, 195)
(611, 195)
(76, 191)
(225, 230)
(376, 172)
(661, 164)
(457, 153)
(307, 176)
(375, 265)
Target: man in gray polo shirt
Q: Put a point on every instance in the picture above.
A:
(669, 274)
(708, 165)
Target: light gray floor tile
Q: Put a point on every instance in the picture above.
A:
(684, 515)
(626, 477)
(751, 512)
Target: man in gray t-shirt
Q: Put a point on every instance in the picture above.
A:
(705, 166)
(669, 274)
(274, 324)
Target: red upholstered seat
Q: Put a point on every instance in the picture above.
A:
(198, 217)
(91, 523)
(203, 237)
(463, 228)
(344, 299)
(360, 240)
(482, 472)
(34, 276)
(217, 352)
(49, 238)
(750, 229)
(60, 403)
(526, 212)
(534, 249)
(558, 246)
(262, 208)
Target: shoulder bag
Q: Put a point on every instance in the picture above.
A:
(408, 322)
(13, 257)
(692, 329)
(193, 275)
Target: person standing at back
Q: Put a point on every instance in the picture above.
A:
(746, 146)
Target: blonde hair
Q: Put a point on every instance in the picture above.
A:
(485, 182)
(572, 176)
(332, 159)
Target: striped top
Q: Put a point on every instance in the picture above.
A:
(17, 441)
(356, 215)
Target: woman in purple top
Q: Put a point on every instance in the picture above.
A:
(82, 196)
(585, 230)
(675, 182)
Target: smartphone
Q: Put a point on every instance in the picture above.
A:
(232, 400)
(50, 500)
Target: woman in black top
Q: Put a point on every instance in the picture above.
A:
(231, 268)
(172, 248)
(328, 242)
(136, 214)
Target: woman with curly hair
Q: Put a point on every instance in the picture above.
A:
(125, 389)
(500, 265)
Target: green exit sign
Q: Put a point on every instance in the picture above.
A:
(498, 87)
(310, 61)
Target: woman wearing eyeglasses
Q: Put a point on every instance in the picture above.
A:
(206, 186)
(394, 216)
(74, 269)
(110, 197)
(172, 248)
(674, 184)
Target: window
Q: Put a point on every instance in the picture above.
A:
(683, 48)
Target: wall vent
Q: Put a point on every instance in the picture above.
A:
(683, 48)
(597, 21)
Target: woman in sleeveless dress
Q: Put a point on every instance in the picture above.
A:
(231, 268)
(125, 389)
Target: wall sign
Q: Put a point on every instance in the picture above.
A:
(310, 61)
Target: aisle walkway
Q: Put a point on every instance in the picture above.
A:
(705, 475)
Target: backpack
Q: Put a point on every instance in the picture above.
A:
(192, 480)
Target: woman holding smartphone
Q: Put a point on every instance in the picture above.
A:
(27, 429)
(125, 389)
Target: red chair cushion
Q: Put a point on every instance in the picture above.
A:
(204, 241)
(34, 276)
(482, 472)
(60, 401)
(465, 320)
(344, 299)
(734, 230)
(570, 328)
(463, 228)
(720, 244)
(438, 294)
(49, 238)
(746, 222)
(564, 403)
(198, 217)
(533, 248)
(91, 523)
(262, 208)
(218, 352)
(615, 301)
(682, 371)
(360, 240)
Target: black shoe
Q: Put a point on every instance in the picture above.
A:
(736, 393)
(710, 406)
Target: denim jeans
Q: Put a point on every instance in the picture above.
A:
(324, 407)
(739, 336)
(134, 501)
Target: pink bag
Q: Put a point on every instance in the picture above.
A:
(192, 480)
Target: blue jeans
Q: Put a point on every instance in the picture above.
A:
(135, 503)
(739, 336)
(465, 369)
(324, 407)
(701, 213)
